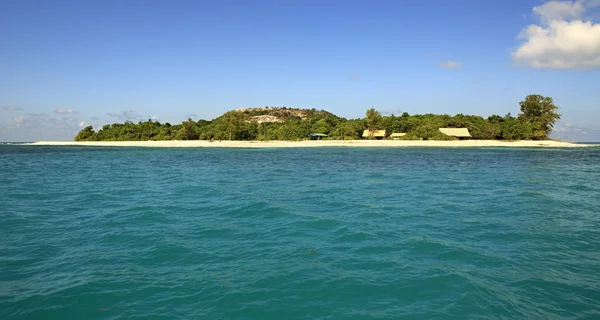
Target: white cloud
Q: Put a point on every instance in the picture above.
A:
(562, 40)
(583, 131)
(568, 127)
(67, 111)
(41, 126)
(11, 108)
(81, 124)
(559, 10)
(450, 64)
(127, 115)
(394, 112)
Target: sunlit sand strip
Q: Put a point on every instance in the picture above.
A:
(318, 143)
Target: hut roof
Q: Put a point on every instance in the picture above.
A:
(374, 133)
(456, 132)
(398, 134)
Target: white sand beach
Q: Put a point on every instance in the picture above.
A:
(317, 143)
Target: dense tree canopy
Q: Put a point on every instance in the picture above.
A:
(541, 113)
(535, 121)
(373, 120)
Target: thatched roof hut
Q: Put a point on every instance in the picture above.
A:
(397, 135)
(456, 132)
(376, 134)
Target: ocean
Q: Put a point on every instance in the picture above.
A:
(299, 233)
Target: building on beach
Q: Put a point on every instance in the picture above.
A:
(459, 133)
(397, 135)
(317, 136)
(374, 134)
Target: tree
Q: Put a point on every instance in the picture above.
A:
(513, 129)
(348, 130)
(87, 134)
(187, 131)
(373, 121)
(541, 112)
(495, 119)
(321, 126)
(233, 124)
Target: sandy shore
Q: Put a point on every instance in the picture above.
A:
(322, 143)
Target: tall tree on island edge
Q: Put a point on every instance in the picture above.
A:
(541, 112)
(373, 121)
(233, 124)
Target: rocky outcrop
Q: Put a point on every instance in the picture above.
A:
(269, 114)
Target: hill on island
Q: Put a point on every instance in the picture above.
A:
(535, 121)
(281, 115)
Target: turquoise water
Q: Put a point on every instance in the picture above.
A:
(322, 233)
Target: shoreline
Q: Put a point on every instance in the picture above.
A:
(315, 143)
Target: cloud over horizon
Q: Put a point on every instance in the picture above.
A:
(40, 126)
(17, 120)
(563, 39)
(127, 115)
(394, 112)
(570, 130)
(65, 111)
(11, 108)
(450, 64)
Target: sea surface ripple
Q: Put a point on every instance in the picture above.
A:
(299, 233)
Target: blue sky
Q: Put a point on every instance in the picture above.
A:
(67, 64)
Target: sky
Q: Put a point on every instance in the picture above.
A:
(65, 65)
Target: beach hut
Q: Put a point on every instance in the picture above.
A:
(459, 133)
(374, 134)
(317, 136)
(397, 135)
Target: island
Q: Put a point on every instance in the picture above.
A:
(285, 127)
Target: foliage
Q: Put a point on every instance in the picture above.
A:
(373, 119)
(536, 120)
(541, 113)
(87, 134)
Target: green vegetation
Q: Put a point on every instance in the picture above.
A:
(535, 121)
